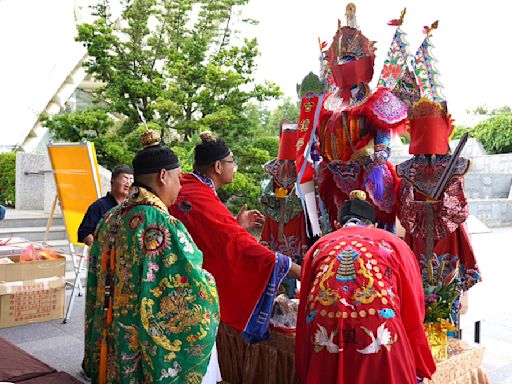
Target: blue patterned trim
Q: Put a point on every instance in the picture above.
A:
(205, 180)
(257, 326)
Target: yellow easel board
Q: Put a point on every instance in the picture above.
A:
(77, 180)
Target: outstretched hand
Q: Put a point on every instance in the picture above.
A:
(249, 219)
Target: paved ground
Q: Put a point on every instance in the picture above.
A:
(58, 345)
(61, 346)
(491, 301)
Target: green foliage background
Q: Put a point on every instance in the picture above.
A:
(7, 179)
(179, 67)
(495, 132)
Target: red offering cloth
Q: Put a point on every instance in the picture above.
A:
(240, 265)
(361, 311)
(294, 241)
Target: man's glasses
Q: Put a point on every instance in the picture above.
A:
(230, 161)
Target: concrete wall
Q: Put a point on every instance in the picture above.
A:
(493, 212)
(492, 163)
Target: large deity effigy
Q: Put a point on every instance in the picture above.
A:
(345, 131)
(433, 207)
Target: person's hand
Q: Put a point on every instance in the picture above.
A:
(248, 219)
(88, 240)
(295, 271)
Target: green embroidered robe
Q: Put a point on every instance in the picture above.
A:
(165, 309)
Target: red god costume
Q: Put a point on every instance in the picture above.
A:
(435, 229)
(284, 229)
(345, 130)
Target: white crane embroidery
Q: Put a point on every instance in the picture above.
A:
(171, 372)
(323, 340)
(383, 339)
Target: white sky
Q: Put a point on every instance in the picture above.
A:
(472, 44)
(37, 51)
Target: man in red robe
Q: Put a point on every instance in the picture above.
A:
(361, 306)
(247, 274)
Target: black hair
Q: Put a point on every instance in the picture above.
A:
(120, 169)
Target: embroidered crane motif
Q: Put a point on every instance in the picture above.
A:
(383, 339)
(322, 339)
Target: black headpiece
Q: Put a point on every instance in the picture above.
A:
(210, 149)
(357, 207)
(154, 157)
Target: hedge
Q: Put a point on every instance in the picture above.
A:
(7, 178)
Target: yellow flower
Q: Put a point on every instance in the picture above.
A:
(192, 339)
(446, 325)
(157, 292)
(281, 192)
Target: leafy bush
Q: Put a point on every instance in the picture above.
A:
(245, 188)
(495, 133)
(7, 178)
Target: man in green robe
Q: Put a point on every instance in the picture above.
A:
(152, 312)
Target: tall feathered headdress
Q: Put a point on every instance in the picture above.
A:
(425, 71)
(431, 125)
(396, 74)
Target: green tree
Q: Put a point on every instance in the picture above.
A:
(175, 62)
(288, 109)
(97, 126)
(480, 110)
(460, 130)
(495, 132)
(180, 67)
(501, 110)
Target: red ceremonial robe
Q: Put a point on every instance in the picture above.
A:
(451, 242)
(361, 311)
(241, 266)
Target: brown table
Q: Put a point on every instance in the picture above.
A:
(273, 361)
(270, 362)
(17, 366)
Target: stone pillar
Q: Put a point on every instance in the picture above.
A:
(30, 180)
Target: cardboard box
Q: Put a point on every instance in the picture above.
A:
(32, 292)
